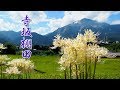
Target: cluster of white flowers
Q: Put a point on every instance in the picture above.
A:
(76, 51)
(22, 64)
(3, 59)
(2, 46)
(94, 51)
(16, 66)
(12, 70)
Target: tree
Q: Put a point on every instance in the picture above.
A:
(11, 49)
(36, 47)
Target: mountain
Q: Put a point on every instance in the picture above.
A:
(74, 28)
(8, 36)
(15, 38)
(107, 31)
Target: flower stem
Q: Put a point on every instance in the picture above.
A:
(94, 68)
(86, 74)
(65, 73)
(10, 76)
(26, 75)
(76, 72)
(70, 71)
(83, 71)
(89, 70)
(79, 72)
(13, 76)
(1, 72)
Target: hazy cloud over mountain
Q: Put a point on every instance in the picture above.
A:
(44, 22)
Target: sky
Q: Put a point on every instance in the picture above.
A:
(44, 22)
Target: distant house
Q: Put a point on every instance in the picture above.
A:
(2, 46)
(17, 47)
(116, 41)
(103, 42)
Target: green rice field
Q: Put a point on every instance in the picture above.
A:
(48, 68)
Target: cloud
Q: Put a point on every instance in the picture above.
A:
(36, 16)
(116, 22)
(7, 25)
(103, 16)
(71, 16)
(116, 12)
(53, 24)
(16, 18)
(41, 30)
(78, 15)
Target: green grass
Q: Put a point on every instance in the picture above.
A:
(107, 69)
(47, 64)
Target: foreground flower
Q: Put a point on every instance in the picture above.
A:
(89, 36)
(94, 51)
(3, 59)
(22, 64)
(79, 52)
(12, 70)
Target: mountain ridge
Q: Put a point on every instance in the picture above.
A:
(112, 32)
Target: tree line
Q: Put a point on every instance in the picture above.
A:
(36, 50)
(113, 47)
(46, 50)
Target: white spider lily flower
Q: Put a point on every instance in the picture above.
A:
(3, 59)
(12, 70)
(76, 51)
(22, 64)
